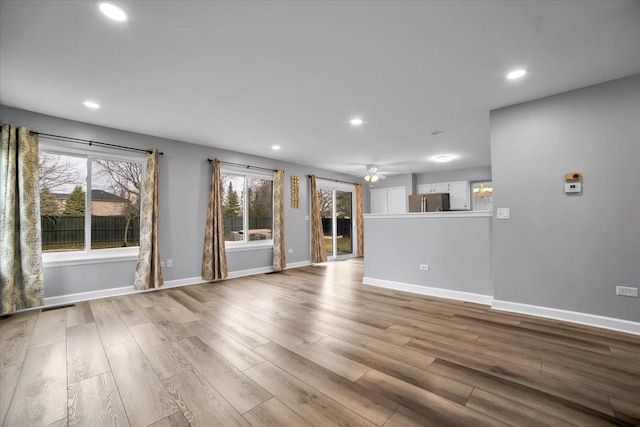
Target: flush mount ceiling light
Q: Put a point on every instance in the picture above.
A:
(91, 104)
(443, 158)
(112, 11)
(275, 147)
(516, 74)
(356, 121)
(437, 132)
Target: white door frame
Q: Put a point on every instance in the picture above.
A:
(339, 186)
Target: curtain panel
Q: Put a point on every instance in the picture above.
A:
(21, 273)
(148, 270)
(359, 222)
(279, 258)
(214, 257)
(318, 252)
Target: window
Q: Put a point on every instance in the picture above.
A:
(81, 222)
(247, 201)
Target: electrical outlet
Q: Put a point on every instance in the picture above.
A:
(627, 291)
(306, 217)
(161, 263)
(424, 267)
(503, 213)
(169, 263)
(290, 251)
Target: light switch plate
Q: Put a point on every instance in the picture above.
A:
(503, 213)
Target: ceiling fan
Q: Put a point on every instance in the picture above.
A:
(373, 173)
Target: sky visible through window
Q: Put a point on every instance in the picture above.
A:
(77, 174)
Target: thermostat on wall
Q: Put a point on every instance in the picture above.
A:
(573, 187)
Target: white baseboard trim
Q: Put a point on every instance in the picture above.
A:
(124, 290)
(263, 270)
(611, 323)
(87, 296)
(183, 282)
(298, 264)
(426, 290)
(249, 272)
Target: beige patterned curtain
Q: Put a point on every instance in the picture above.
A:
(214, 258)
(279, 259)
(318, 253)
(148, 270)
(359, 222)
(21, 275)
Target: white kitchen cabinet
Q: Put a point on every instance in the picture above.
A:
(388, 200)
(459, 193)
(459, 196)
(424, 189)
(442, 187)
(437, 187)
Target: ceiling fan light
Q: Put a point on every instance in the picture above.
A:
(367, 178)
(374, 178)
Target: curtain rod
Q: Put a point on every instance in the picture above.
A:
(90, 143)
(334, 180)
(244, 166)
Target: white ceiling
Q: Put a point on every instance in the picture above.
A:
(246, 75)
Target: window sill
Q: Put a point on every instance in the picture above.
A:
(60, 259)
(240, 247)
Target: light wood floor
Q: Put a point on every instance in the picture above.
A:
(310, 346)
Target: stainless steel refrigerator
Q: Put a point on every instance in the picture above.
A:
(434, 202)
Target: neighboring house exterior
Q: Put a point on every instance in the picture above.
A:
(61, 200)
(103, 203)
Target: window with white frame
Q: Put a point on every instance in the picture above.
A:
(247, 199)
(89, 201)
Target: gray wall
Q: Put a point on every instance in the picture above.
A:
(569, 251)
(184, 186)
(456, 249)
(472, 174)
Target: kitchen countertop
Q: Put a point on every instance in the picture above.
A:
(446, 214)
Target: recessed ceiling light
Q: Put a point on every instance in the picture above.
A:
(443, 158)
(437, 132)
(91, 104)
(112, 11)
(356, 121)
(275, 147)
(516, 74)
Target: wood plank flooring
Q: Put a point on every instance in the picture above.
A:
(309, 347)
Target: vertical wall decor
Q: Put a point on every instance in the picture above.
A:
(279, 260)
(295, 185)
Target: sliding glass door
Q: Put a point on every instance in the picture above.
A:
(337, 208)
